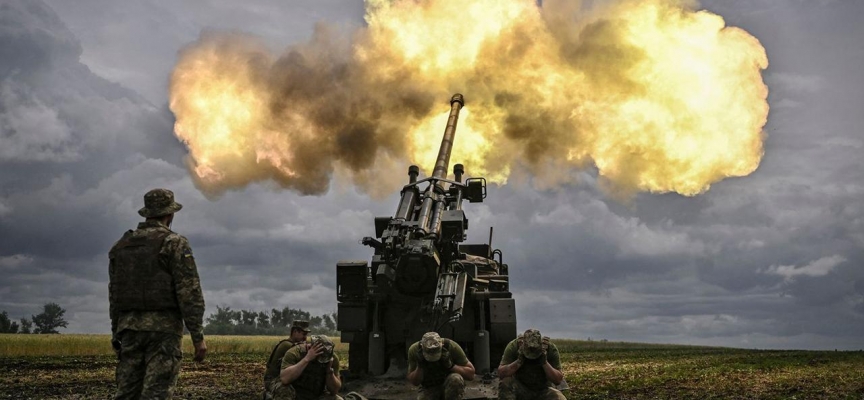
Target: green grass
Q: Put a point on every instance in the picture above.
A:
(82, 367)
(638, 371)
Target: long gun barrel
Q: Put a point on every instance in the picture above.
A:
(430, 211)
(443, 161)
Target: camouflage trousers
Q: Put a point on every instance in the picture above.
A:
(511, 389)
(277, 391)
(453, 388)
(148, 365)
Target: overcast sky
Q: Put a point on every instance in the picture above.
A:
(771, 260)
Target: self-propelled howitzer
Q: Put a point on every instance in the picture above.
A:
(422, 278)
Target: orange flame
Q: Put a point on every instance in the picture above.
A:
(658, 96)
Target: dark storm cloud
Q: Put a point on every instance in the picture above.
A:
(33, 37)
(769, 260)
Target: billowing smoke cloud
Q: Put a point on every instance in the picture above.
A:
(655, 95)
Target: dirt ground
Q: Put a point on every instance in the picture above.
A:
(92, 377)
(593, 371)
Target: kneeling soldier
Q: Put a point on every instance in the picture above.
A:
(529, 368)
(440, 367)
(309, 369)
(299, 330)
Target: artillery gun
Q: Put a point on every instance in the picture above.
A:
(422, 278)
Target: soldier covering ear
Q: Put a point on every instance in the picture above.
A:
(530, 368)
(439, 366)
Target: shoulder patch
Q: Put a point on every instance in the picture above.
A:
(187, 252)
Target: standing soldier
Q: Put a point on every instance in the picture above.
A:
(440, 367)
(309, 369)
(272, 385)
(529, 368)
(153, 290)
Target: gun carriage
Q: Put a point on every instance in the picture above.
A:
(422, 278)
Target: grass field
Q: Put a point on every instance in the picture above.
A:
(100, 345)
(82, 367)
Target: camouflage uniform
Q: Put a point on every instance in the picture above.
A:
(274, 363)
(530, 382)
(437, 356)
(153, 290)
(311, 384)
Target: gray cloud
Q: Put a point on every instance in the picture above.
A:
(136, 42)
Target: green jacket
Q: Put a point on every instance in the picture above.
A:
(176, 260)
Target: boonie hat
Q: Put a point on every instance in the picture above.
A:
(158, 203)
(532, 343)
(327, 345)
(301, 324)
(430, 345)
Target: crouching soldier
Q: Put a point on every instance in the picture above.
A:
(299, 331)
(530, 368)
(440, 367)
(310, 372)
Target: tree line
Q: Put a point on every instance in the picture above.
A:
(47, 321)
(226, 321)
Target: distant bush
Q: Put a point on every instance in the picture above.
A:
(7, 325)
(26, 325)
(50, 319)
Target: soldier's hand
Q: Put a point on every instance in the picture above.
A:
(521, 357)
(542, 358)
(545, 348)
(313, 352)
(200, 350)
(116, 345)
